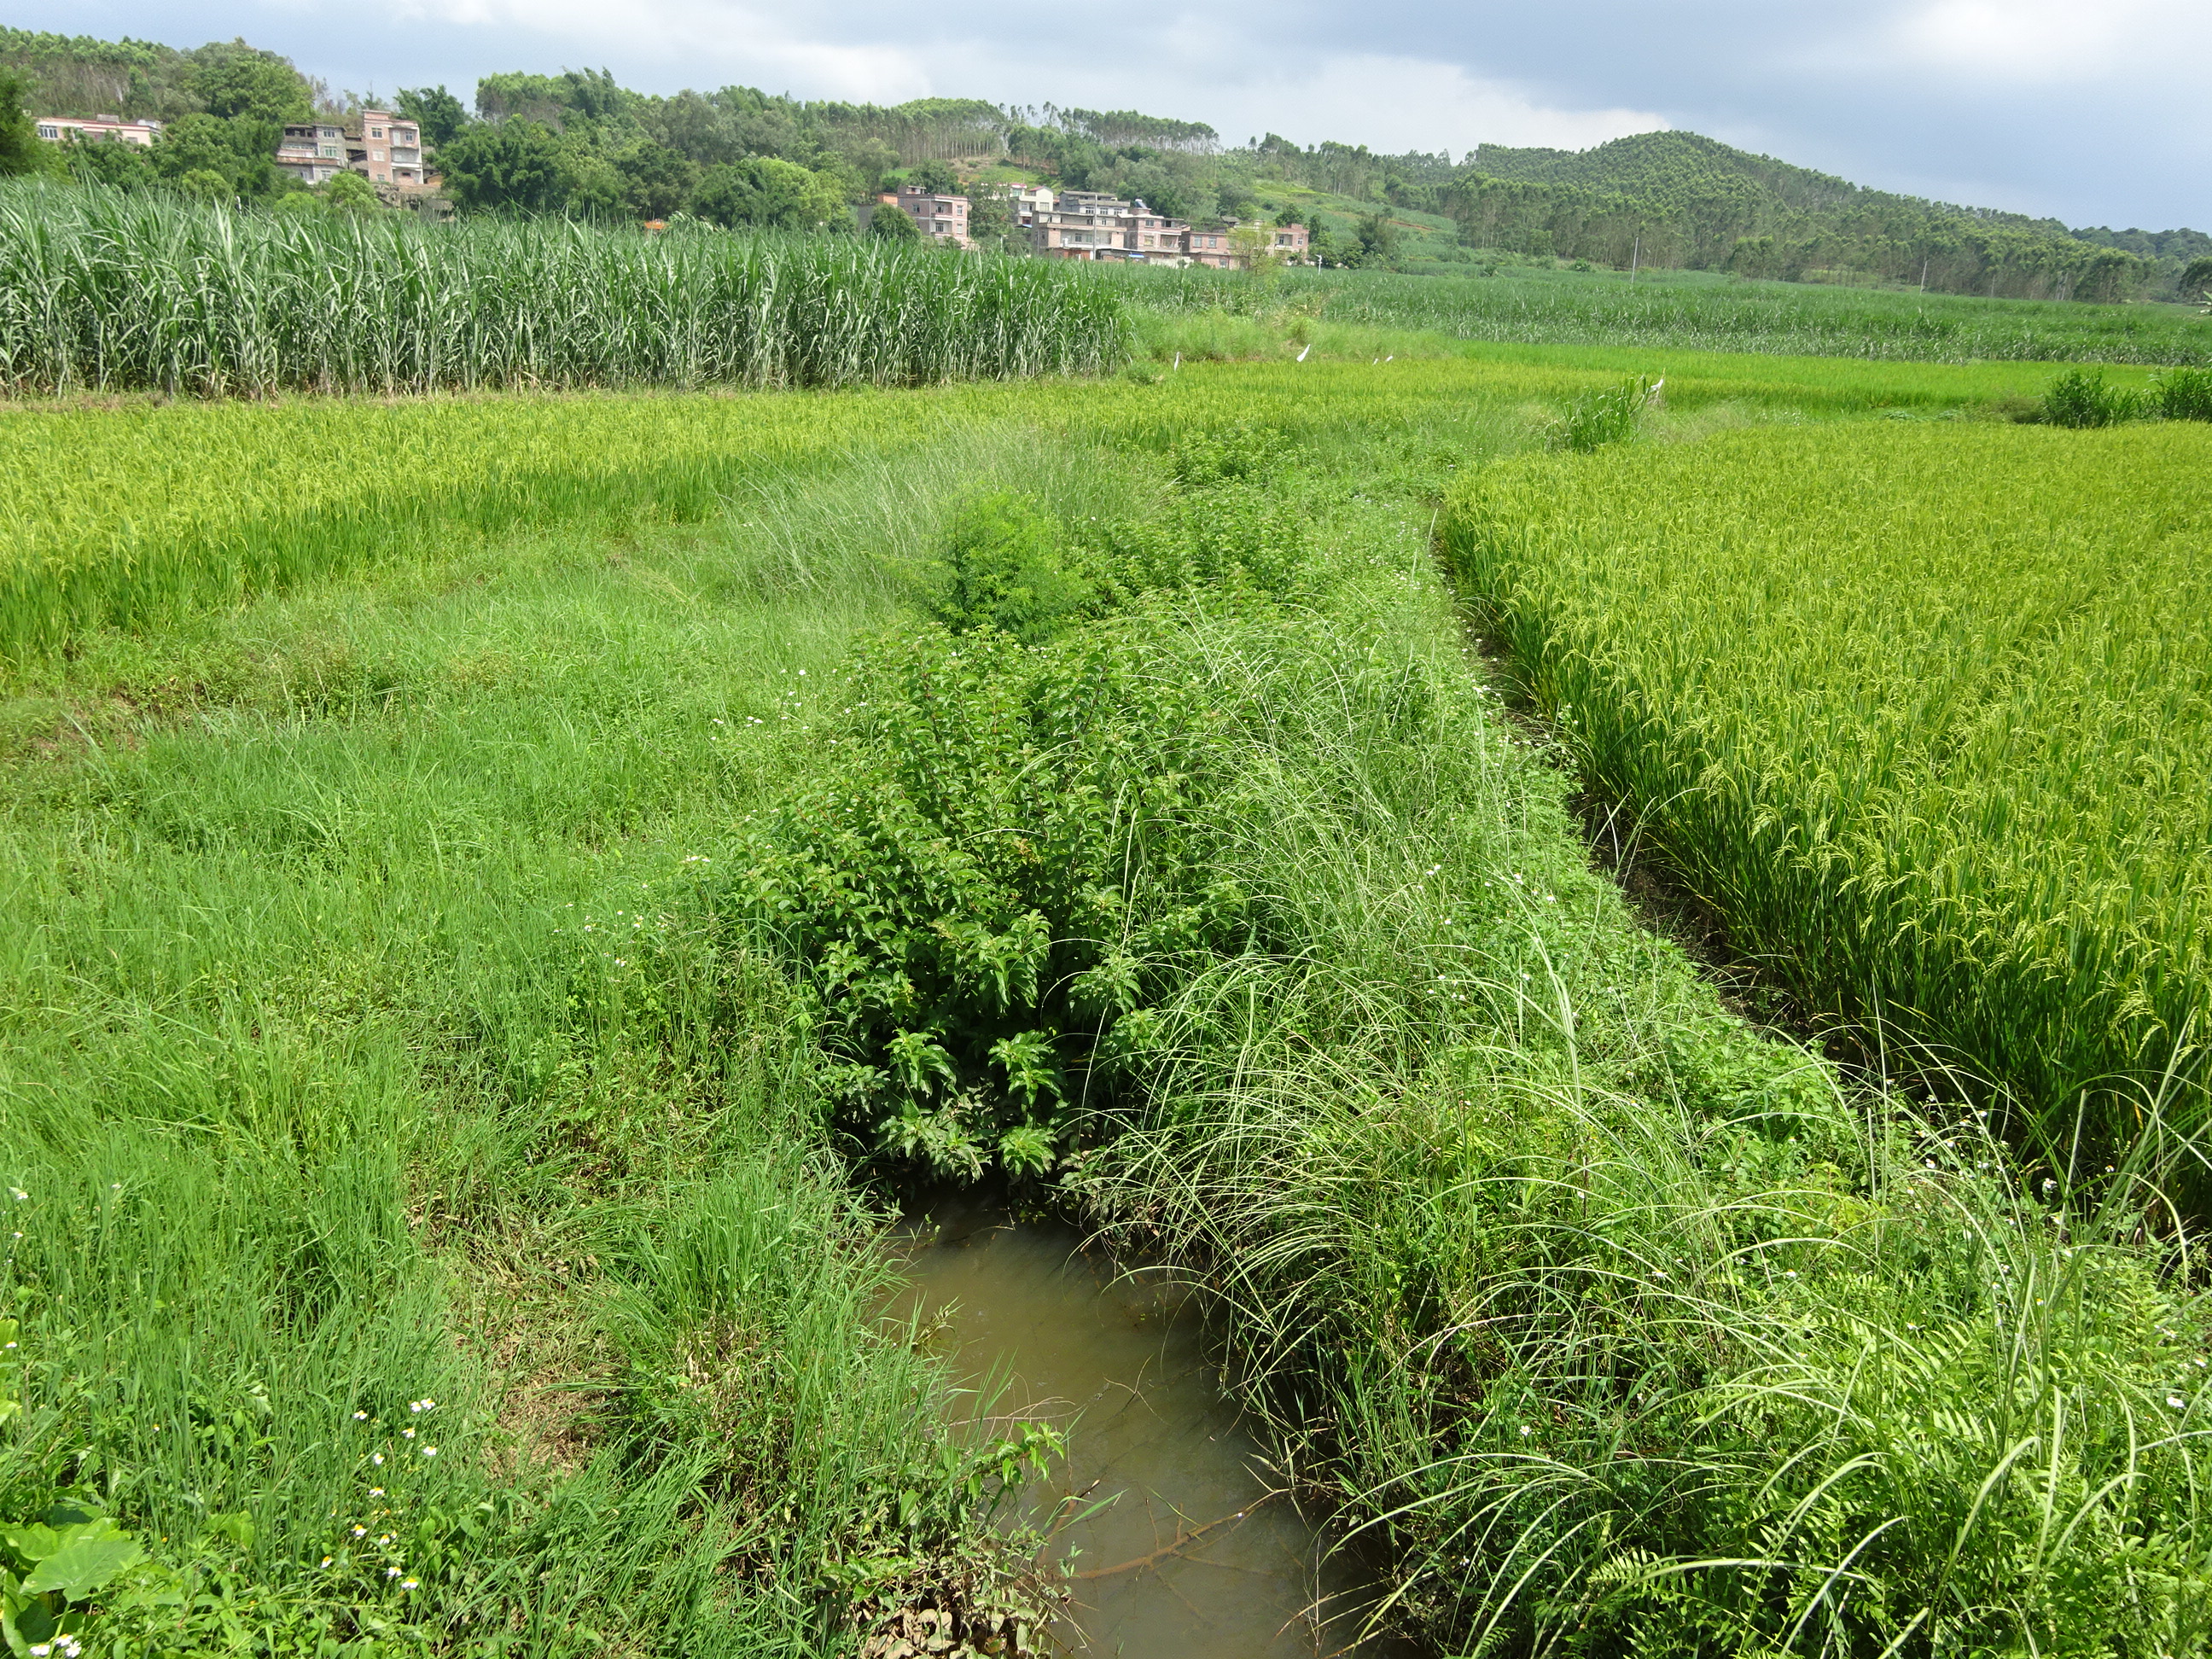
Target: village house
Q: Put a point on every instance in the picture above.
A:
(313, 151)
(1025, 202)
(934, 214)
(112, 129)
(1084, 224)
(387, 149)
(1224, 246)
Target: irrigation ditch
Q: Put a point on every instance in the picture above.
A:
(1165, 1528)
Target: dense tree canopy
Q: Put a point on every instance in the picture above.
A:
(438, 114)
(506, 166)
(761, 191)
(236, 80)
(20, 150)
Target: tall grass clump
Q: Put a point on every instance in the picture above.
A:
(1918, 710)
(418, 1240)
(104, 291)
(2183, 394)
(2083, 398)
(1607, 416)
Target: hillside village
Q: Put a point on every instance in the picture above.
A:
(1087, 224)
(387, 149)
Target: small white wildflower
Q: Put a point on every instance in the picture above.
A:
(410, 1583)
(377, 1458)
(360, 1532)
(1789, 1272)
(21, 1197)
(407, 1434)
(1526, 1430)
(40, 1650)
(392, 1572)
(361, 1417)
(376, 1491)
(429, 1451)
(2175, 1401)
(326, 1560)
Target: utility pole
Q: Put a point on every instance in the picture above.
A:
(1635, 256)
(1923, 273)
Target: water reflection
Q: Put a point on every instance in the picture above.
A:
(1195, 1551)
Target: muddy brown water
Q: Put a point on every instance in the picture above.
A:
(1196, 1549)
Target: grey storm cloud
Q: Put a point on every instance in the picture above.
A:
(2090, 113)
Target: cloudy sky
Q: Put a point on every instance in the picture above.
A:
(2090, 111)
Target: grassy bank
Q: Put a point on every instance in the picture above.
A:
(425, 1243)
(485, 968)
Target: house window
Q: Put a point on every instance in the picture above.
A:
(47, 129)
(376, 132)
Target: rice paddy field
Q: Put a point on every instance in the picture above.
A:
(500, 918)
(1699, 311)
(1921, 710)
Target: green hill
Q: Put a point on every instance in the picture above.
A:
(1679, 199)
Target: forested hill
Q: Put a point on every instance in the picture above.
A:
(1678, 198)
(579, 142)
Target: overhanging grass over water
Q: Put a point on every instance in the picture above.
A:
(107, 291)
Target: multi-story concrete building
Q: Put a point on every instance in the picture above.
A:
(934, 214)
(1025, 202)
(112, 129)
(1230, 246)
(1208, 245)
(387, 149)
(314, 151)
(1084, 224)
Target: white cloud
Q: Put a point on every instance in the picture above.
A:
(707, 43)
(1193, 64)
(1398, 104)
(2039, 41)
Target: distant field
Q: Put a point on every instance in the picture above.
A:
(1701, 311)
(1924, 711)
(113, 515)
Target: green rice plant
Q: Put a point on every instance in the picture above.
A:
(108, 291)
(1918, 710)
(1692, 311)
